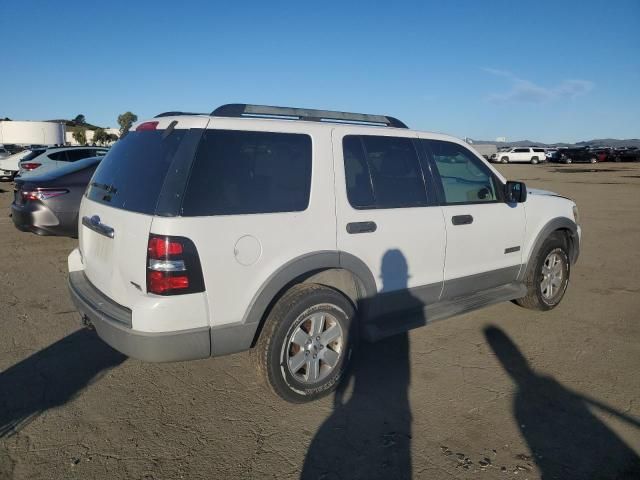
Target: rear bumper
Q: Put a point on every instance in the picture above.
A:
(112, 323)
(39, 219)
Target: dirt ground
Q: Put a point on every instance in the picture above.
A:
(500, 393)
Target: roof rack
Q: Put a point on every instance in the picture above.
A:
(176, 114)
(265, 111)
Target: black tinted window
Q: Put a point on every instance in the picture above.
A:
(382, 172)
(58, 156)
(31, 155)
(521, 150)
(240, 172)
(131, 175)
(464, 177)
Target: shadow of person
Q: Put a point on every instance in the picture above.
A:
(368, 434)
(52, 377)
(566, 440)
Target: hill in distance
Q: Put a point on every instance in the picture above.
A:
(606, 142)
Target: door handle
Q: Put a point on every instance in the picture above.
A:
(462, 219)
(93, 223)
(361, 227)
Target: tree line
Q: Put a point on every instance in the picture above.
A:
(100, 135)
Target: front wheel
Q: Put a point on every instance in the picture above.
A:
(504, 160)
(567, 161)
(306, 343)
(548, 277)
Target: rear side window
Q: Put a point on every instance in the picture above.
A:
(463, 176)
(131, 175)
(382, 172)
(539, 150)
(241, 172)
(59, 156)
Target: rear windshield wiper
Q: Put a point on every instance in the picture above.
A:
(104, 186)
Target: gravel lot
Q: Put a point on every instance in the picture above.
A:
(499, 393)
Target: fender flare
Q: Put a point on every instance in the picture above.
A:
(558, 223)
(240, 336)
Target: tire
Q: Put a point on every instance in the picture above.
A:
(534, 160)
(504, 160)
(554, 249)
(567, 161)
(285, 337)
(593, 160)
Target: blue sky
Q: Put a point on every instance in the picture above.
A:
(540, 70)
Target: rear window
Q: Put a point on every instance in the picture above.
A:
(31, 155)
(241, 172)
(132, 173)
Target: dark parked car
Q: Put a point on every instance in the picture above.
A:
(631, 154)
(575, 155)
(48, 204)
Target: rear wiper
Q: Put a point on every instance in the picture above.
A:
(104, 186)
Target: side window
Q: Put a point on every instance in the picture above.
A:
(382, 172)
(241, 172)
(79, 154)
(59, 156)
(464, 177)
(521, 150)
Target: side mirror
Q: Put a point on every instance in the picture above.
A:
(515, 192)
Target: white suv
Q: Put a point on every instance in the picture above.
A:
(294, 232)
(520, 155)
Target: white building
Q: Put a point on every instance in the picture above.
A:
(31, 133)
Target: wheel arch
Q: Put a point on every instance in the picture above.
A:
(338, 270)
(567, 228)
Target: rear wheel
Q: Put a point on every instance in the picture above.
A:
(534, 160)
(548, 278)
(306, 343)
(567, 160)
(593, 160)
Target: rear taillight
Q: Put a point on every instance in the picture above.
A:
(147, 126)
(42, 194)
(30, 165)
(173, 266)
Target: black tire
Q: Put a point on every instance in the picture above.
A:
(288, 315)
(504, 160)
(535, 300)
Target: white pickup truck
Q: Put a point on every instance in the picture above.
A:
(520, 155)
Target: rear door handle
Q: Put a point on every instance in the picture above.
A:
(462, 219)
(94, 224)
(361, 227)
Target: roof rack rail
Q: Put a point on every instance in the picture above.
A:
(177, 114)
(265, 111)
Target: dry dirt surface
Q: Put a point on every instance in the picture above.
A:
(500, 393)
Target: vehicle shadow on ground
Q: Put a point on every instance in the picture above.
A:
(52, 377)
(368, 434)
(566, 440)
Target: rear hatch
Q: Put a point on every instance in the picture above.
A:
(141, 176)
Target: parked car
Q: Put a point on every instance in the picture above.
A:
(48, 204)
(577, 155)
(603, 154)
(10, 166)
(630, 154)
(298, 232)
(56, 157)
(4, 153)
(520, 155)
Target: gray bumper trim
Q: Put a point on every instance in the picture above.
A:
(106, 316)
